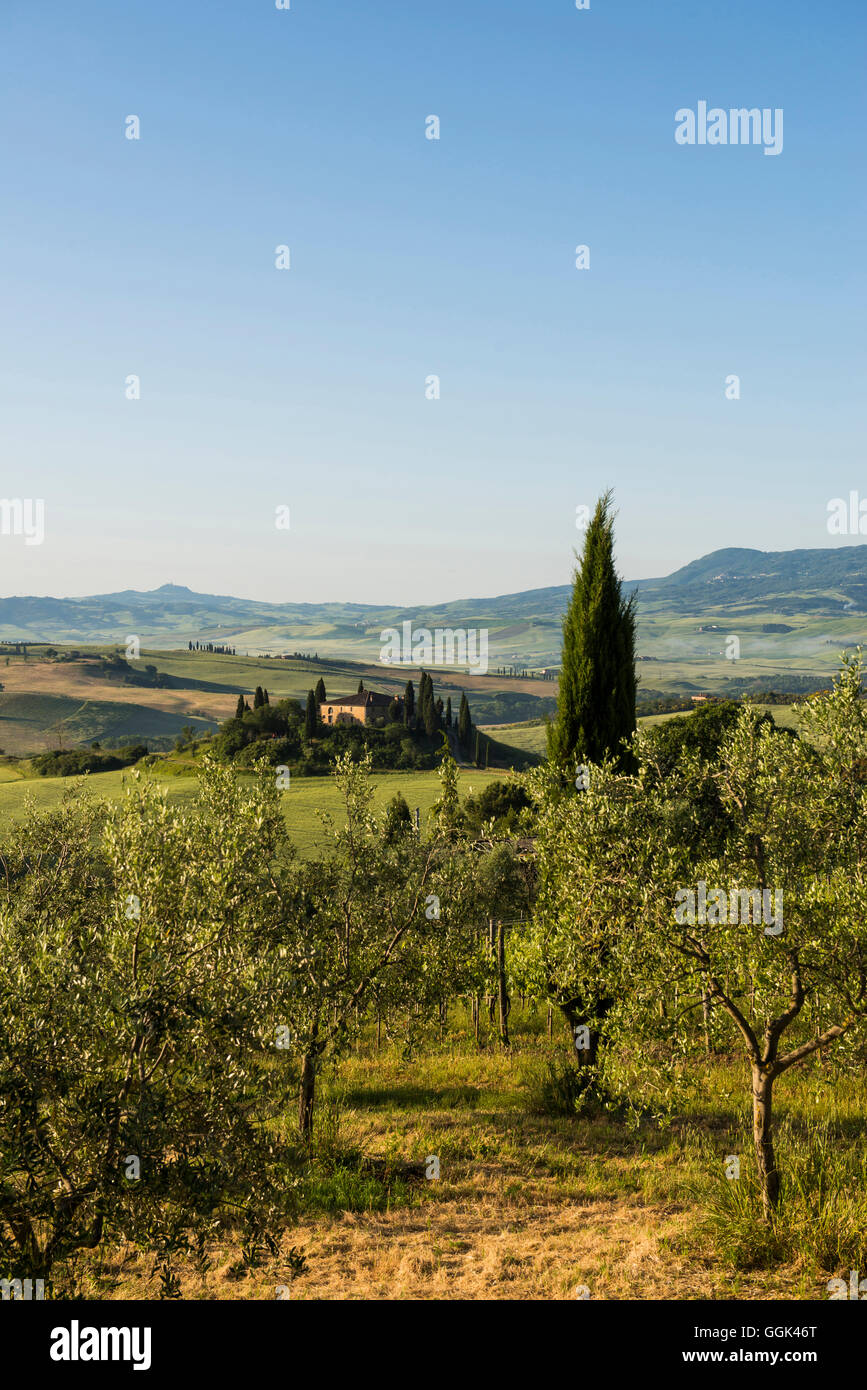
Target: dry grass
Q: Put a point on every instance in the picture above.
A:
(73, 679)
(526, 1206)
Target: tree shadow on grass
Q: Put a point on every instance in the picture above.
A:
(410, 1097)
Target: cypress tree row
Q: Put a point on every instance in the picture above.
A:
(428, 709)
(596, 704)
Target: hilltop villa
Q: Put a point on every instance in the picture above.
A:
(365, 708)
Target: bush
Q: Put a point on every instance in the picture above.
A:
(500, 802)
(558, 1087)
(77, 761)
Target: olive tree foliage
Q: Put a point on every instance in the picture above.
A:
(634, 899)
(135, 1095)
(594, 861)
(493, 883)
(372, 922)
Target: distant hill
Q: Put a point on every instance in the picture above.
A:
(816, 588)
(834, 578)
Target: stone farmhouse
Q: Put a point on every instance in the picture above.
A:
(365, 708)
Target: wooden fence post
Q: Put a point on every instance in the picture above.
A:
(504, 1001)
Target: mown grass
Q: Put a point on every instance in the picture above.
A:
(534, 1199)
(639, 1184)
(537, 1191)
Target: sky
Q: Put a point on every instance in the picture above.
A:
(309, 388)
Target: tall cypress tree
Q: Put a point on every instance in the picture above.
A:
(449, 712)
(408, 703)
(258, 698)
(360, 690)
(421, 706)
(596, 704)
(320, 691)
(265, 700)
(429, 709)
(310, 720)
(240, 707)
(465, 724)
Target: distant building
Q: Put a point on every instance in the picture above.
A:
(364, 708)
(698, 699)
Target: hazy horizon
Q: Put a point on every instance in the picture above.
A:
(391, 602)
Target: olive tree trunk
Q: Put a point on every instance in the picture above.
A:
(769, 1176)
(307, 1088)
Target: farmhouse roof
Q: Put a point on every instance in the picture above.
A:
(365, 697)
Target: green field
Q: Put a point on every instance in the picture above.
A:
(530, 737)
(301, 800)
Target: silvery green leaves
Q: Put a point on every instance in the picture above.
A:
(365, 926)
(663, 893)
(131, 998)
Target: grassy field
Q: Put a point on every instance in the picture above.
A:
(301, 800)
(305, 796)
(534, 1202)
(529, 737)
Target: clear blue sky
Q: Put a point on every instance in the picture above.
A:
(411, 257)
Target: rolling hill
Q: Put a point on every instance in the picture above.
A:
(791, 613)
(524, 627)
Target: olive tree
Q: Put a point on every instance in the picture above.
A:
(347, 927)
(594, 854)
(135, 1088)
(767, 919)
